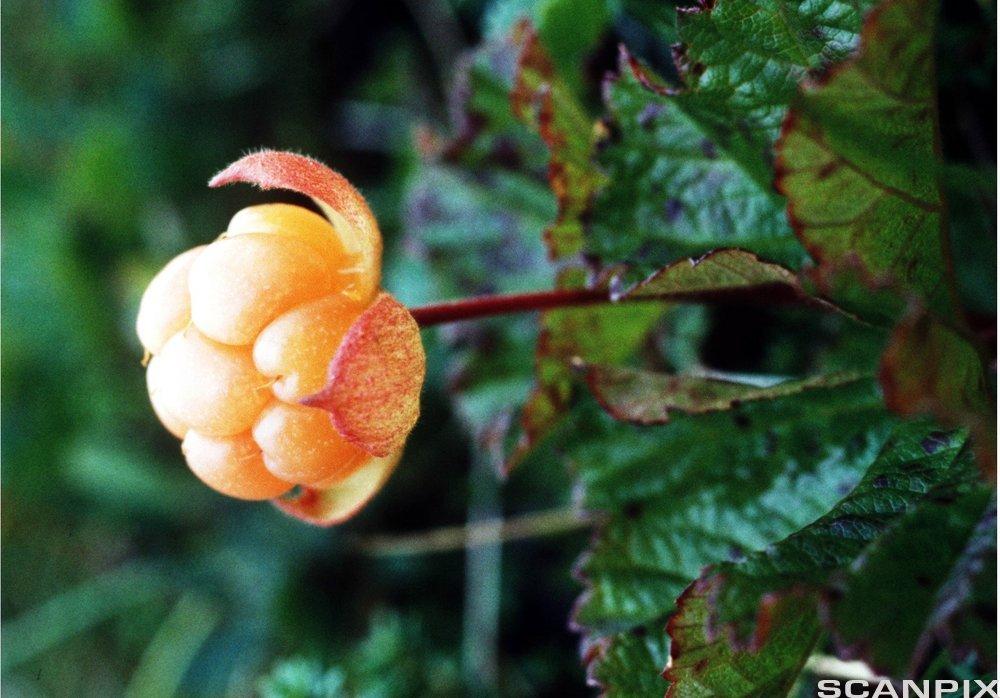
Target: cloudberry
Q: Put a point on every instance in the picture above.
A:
(274, 355)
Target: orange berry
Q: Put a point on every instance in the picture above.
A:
(285, 306)
(298, 223)
(239, 284)
(297, 347)
(211, 387)
(165, 308)
(300, 444)
(232, 465)
(154, 382)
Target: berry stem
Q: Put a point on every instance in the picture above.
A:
(477, 307)
(487, 306)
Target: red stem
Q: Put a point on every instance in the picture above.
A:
(768, 294)
(487, 306)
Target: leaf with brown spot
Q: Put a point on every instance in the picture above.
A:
(925, 579)
(542, 100)
(705, 663)
(929, 368)
(917, 466)
(858, 160)
(647, 397)
(726, 274)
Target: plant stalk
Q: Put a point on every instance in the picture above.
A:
(477, 307)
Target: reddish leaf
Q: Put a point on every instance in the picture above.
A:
(857, 159)
(338, 199)
(929, 368)
(334, 503)
(543, 101)
(725, 274)
(374, 381)
(647, 397)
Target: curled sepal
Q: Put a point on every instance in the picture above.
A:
(338, 199)
(373, 385)
(332, 504)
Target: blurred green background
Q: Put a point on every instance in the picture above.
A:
(120, 571)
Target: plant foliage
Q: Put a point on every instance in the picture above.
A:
(782, 158)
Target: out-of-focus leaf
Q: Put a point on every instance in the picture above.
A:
(741, 598)
(125, 481)
(971, 194)
(859, 163)
(302, 678)
(920, 579)
(707, 488)
(172, 648)
(570, 30)
(646, 397)
(605, 334)
(395, 660)
(541, 99)
(930, 369)
(79, 609)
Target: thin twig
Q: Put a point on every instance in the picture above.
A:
(535, 525)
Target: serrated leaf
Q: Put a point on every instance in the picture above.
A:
(671, 192)
(647, 397)
(542, 100)
(916, 464)
(914, 461)
(689, 165)
(919, 579)
(703, 664)
(722, 275)
(707, 488)
(620, 665)
(859, 162)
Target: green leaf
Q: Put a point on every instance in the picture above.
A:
(726, 274)
(570, 30)
(620, 665)
(928, 368)
(707, 488)
(859, 162)
(543, 101)
(737, 619)
(920, 579)
(172, 649)
(599, 334)
(647, 397)
(671, 191)
(702, 664)
(78, 609)
(394, 660)
(690, 166)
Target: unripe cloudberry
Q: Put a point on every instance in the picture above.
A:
(275, 357)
